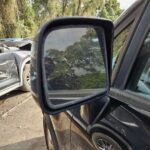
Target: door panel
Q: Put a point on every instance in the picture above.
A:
(61, 124)
(8, 70)
(84, 116)
(78, 139)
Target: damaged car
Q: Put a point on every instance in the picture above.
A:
(14, 65)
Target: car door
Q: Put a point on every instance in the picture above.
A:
(9, 77)
(89, 114)
(131, 86)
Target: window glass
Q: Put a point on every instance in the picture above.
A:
(119, 43)
(139, 81)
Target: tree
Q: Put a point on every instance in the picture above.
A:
(26, 18)
(81, 7)
(8, 18)
(20, 18)
(111, 10)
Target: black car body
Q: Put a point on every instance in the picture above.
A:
(14, 62)
(121, 118)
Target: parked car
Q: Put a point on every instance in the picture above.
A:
(17, 43)
(88, 103)
(14, 65)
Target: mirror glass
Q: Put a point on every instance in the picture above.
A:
(73, 62)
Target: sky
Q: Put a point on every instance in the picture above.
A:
(126, 3)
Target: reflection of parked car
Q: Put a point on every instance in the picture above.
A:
(14, 65)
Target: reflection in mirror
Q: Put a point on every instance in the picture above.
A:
(74, 64)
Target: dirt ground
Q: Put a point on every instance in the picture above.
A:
(20, 123)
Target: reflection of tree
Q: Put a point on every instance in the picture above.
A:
(62, 77)
(79, 66)
(58, 61)
(85, 55)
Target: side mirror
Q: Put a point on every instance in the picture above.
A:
(71, 62)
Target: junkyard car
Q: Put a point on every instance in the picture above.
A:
(14, 65)
(86, 104)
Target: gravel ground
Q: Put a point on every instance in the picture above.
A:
(20, 123)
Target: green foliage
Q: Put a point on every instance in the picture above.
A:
(92, 80)
(111, 10)
(26, 21)
(79, 65)
(8, 27)
(22, 17)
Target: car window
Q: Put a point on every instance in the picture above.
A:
(139, 81)
(119, 42)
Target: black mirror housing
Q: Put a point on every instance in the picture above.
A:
(38, 80)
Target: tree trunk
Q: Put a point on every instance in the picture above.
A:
(78, 7)
(8, 18)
